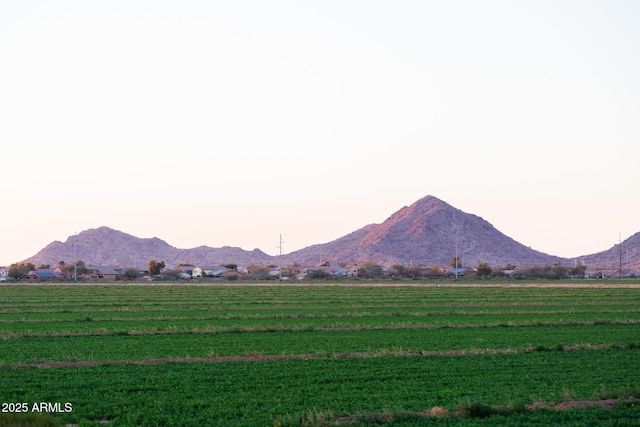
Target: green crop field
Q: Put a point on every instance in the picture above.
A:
(247, 355)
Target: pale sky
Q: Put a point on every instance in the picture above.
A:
(227, 123)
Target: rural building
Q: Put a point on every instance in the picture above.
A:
(105, 273)
(460, 271)
(353, 271)
(219, 272)
(215, 271)
(187, 269)
(58, 270)
(302, 272)
(41, 274)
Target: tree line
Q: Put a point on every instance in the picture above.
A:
(18, 271)
(368, 270)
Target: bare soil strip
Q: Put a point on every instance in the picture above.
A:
(262, 357)
(437, 411)
(256, 357)
(288, 307)
(315, 316)
(304, 329)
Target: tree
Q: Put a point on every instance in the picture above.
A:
(259, 273)
(558, 272)
(155, 267)
(483, 270)
(79, 269)
(318, 274)
(578, 271)
(455, 262)
(419, 271)
(370, 270)
(430, 272)
(18, 271)
(231, 266)
(263, 274)
(498, 273)
(555, 272)
(131, 273)
(172, 274)
(402, 271)
(288, 272)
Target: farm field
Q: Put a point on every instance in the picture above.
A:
(321, 355)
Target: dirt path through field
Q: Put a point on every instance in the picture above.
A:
(258, 357)
(321, 355)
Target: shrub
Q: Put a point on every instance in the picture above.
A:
(29, 419)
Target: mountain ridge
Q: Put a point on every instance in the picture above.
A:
(429, 232)
(106, 246)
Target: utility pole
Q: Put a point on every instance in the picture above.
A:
(280, 258)
(620, 238)
(75, 258)
(456, 269)
(455, 226)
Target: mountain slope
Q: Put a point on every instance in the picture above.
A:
(611, 258)
(427, 232)
(105, 246)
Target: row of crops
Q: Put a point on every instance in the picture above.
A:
(296, 355)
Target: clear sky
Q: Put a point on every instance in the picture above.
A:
(226, 123)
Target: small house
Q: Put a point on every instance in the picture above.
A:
(353, 271)
(41, 274)
(104, 273)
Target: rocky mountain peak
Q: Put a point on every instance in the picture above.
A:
(429, 232)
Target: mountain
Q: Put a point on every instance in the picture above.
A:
(427, 232)
(611, 258)
(105, 246)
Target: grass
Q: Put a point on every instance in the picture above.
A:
(421, 347)
(373, 341)
(28, 420)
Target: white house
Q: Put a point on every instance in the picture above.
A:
(353, 271)
(214, 271)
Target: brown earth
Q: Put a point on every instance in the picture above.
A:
(253, 358)
(263, 357)
(437, 411)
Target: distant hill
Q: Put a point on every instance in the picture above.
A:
(105, 246)
(427, 232)
(610, 259)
